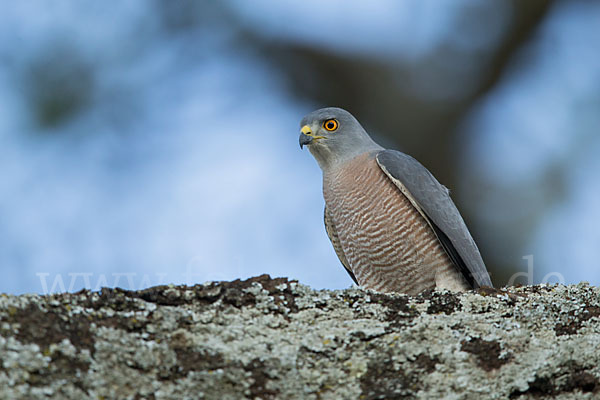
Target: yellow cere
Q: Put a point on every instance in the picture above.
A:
(306, 130)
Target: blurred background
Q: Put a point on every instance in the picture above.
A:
(149, 142)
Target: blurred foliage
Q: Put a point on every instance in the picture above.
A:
(59, 83)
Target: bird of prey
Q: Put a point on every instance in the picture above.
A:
(393, 226)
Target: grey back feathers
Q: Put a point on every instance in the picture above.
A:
(439, 209)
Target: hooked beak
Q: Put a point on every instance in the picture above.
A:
(307, 137)
(305, 140)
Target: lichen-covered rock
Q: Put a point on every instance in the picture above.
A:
(272, 338)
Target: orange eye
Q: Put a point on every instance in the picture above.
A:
(330, 125)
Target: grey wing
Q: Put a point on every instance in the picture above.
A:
(337, 246)
(433, 201)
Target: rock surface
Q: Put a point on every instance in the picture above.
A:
(273, 338)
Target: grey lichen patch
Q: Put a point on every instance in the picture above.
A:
(575, 320)
(65, 364)
(446, 302)
(426, 363)
(571, 378)
(44, 327)
(274, 338)
(385, 379)
(190, 358)
(399, 312)
(261, 374)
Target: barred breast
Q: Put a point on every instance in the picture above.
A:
(389, 246)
